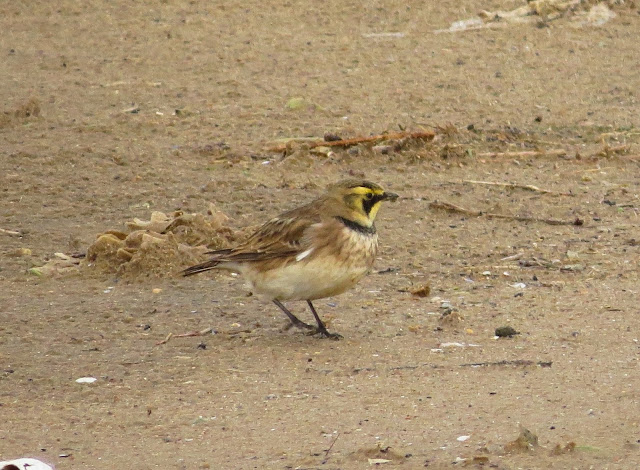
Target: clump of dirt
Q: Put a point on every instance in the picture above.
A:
(560, 449)
(60, 264)
(379, 454)
(160, 246)
(29, 109)
(525, 442)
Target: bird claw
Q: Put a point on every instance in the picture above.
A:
(312, 330)
(300, 324)
(323, 332)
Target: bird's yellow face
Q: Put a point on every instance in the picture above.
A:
(363, 200)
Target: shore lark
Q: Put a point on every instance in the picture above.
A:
(314, 251)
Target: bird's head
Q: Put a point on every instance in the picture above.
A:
(360, 200)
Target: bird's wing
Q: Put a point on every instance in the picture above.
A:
(282, 236)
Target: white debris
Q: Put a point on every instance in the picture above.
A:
(378, 461)
(598, 15)
(458, 345)
(24, 464)
(537, 10)
(86, 380)
(463, 25)
(384, 35)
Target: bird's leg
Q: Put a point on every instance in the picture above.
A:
(295, 321)
(321, 328)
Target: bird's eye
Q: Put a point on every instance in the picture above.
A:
(368, 196)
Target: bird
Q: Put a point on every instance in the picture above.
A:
(317, 250)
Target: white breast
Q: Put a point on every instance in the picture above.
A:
(317, 274)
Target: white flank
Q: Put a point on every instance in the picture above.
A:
(304, 254)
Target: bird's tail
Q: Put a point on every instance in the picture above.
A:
(207, 265)
(200, 268)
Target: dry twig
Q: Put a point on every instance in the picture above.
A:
(326, 453)
(591, 170)
(446, 206)
(185, 335)
(11, 233)
(527, 187)
(608, 152)
(360, 140)
(526, 153)
(166, 340)
(517, 362)
(204, 332)
(514, 257)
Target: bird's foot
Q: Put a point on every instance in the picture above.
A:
(189, 334)
(299, 324)
(324, 333)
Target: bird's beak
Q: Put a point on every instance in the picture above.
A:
(390, 196)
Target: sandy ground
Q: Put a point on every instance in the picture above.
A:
(113, 110)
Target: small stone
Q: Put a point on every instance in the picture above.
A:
(321, 150)
(383, 149)
(330, 137)
(573, 255)
(182, 112)
(572, 268)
